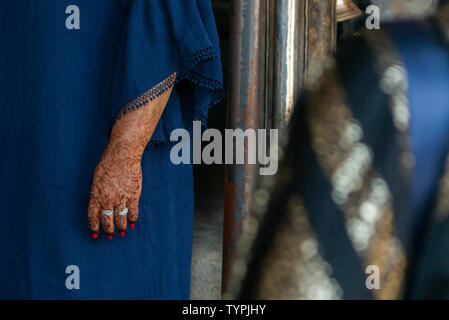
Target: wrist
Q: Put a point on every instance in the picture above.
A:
(120, 150)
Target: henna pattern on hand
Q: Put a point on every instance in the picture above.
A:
(117, 181)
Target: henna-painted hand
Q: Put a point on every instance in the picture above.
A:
(117, 185)
(117, 179)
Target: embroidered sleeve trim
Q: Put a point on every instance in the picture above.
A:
(148, 96)
(186, 73)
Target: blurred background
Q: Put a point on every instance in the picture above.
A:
(330, 23)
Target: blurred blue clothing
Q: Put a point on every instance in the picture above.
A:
(427, 64)
(347, 184)
(61, 90)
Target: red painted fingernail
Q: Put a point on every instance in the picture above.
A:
(122, 233)
(109, 237)
(94, 236)
(132, 225)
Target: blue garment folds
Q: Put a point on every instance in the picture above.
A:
(68, 70)
(427, 64)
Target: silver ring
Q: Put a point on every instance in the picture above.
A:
(108, 213)
(124, 212)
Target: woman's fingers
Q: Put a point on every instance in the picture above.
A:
(107, 220)
(93, 219)
(133, 212)
(121, 219)
(107, 212)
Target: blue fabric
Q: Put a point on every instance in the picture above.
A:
(60, 93)
(427, 64)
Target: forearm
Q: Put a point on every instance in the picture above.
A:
(135, 128)
(117, 179)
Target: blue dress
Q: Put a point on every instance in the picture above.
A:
(67, 69)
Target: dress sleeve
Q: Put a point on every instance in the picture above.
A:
(161, 38)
